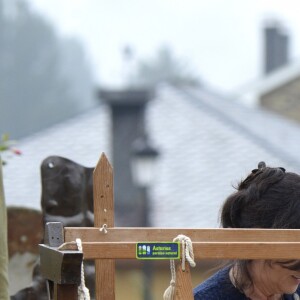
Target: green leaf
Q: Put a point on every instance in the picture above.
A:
(3, 147)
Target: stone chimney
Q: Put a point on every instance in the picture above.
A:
(276, 47)
(128, 124)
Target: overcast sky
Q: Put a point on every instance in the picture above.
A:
(221, 39)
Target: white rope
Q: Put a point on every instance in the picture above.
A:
(187, 247)
(83, 291)
(103, 228)
(187, 254)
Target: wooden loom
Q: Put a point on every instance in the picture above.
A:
(61, 261)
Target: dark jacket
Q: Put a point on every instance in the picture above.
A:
(219, 287)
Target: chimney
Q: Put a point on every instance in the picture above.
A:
(276, 47)
(128, 123)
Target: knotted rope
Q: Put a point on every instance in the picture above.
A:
(104, 228)
(187, 254)
(83, 291)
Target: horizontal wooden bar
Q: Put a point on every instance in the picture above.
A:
(202, 250)
(137, 234)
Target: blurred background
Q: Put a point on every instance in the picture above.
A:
(206, 89)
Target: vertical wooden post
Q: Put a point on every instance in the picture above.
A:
(104, 214)
(183, 288)
(65, 291)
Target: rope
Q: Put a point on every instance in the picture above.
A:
(103, 228)
(187, 254)
(83, 291)
(187, 248)
(64, 246)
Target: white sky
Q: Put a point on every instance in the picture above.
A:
(221, 39)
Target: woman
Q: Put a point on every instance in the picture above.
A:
(267, 198)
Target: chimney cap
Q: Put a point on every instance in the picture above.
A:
(273, 23)
(126, 96)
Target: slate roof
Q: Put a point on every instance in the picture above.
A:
(207, 144)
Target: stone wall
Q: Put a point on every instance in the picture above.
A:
(284, 100)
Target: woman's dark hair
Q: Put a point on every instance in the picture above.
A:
(267, 198)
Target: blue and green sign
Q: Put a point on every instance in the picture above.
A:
(158, 250)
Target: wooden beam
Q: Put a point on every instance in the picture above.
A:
(202, 250)
(134, 234)
(104, 214)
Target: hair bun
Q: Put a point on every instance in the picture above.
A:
(261, 165)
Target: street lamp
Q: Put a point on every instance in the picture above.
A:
(143, 173)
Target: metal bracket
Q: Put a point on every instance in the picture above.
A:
(54, 234)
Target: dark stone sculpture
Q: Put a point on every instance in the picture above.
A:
(67, 192)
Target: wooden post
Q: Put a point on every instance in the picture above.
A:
(104, 215)
(66, 291)
(183, 286)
